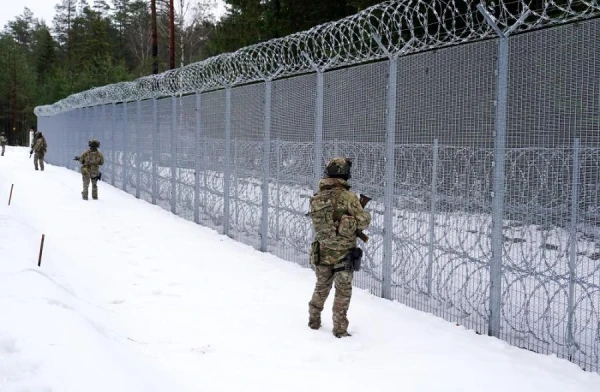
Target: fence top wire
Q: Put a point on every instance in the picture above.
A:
(392, 28)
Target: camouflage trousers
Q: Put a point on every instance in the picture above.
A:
(341, 302)
(86, 184)
(38, 159)
(3, 147)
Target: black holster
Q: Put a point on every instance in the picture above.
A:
(352, 261)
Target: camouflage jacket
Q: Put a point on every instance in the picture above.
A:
(91, 160)
(40, 146)
(3, 140)
(348, 217)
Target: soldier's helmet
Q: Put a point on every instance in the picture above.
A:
(94, 143)
(338, 167)
(2, 134)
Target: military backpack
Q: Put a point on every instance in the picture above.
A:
(325, 220)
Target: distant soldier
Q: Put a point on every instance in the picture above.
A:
(91, 160)
(3, 142)
(336, 215)
(39, 147)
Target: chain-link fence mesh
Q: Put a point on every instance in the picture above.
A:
(479, 147)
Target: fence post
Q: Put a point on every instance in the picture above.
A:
(264, 222)
(318, 157)
(319, 102)
(155, 154)
(173, 154)
(197, 160)
(573, 249)
(278, 182)
(498, 190)
(390, 166)
(235, 196)
(67, 121)
(499, 162)
(102, 122)
(79, 131)
(67, 131)
(68, 124)
(51, 121)
(206, 147)
(126, 147)
(92, 124)
(434, 174)
(95, 128)
(138, 154)
(112, 144)
(227, 168)
(390, 177)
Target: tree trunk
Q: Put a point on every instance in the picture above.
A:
(171, 35)
(154, 38)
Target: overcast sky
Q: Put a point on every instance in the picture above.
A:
(42, 9)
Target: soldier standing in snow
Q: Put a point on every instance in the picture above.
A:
(336, 215)
(91, 160)
(3, 142)
(39, 147)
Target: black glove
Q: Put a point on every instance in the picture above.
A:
(76, 158)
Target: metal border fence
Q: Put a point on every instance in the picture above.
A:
(475, 127)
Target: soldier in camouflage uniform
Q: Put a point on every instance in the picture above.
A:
(336, 215)
(91, 160)
(3, 142)
(39, 147)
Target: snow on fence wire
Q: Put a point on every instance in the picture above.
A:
(482, 158)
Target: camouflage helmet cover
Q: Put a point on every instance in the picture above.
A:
(94, 143)
(338, 167)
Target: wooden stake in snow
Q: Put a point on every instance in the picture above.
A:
(41, 250)
(10, 197)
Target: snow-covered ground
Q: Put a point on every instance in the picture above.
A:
(132, 298)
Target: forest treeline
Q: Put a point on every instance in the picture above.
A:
(93, 43)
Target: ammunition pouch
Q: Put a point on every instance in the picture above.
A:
(315, 249)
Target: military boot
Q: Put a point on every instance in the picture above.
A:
(84, 196)
(314, 322)
(341, 334)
